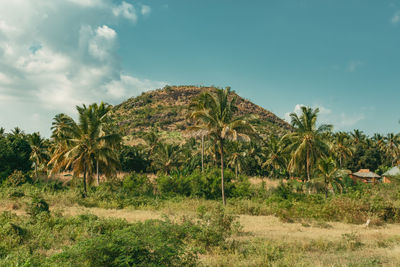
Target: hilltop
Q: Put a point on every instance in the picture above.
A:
(167, 109)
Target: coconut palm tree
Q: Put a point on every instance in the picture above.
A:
(167, 157)
(327, 168)
(39, 149)
(80, 145)
(237, 157)
(390, 146)
(341, 147)
(197, 104)
(358, 137)
(218, 119)
(275, 155)
(307, 142)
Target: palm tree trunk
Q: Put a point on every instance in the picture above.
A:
(222, 171)
(308, 166)
(236, 171)
(202, 152)
(36, 173)
(84, 183)
(97, 170)
(326, 188)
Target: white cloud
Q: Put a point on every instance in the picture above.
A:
(59, 54)
(4, 79)
(354, 65)
(145, 10)
(88, 3)
(128, 85)
(340, 120)
(125, 10)
(101, 43)
(396, 18)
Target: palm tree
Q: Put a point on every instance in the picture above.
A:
(39, 152)
(307, 141)
(390, 146)
(197, 104)
(237, 157)
(327, 168)
(217, 118)
(100, 113)
(341, 147)
(275, 156)
(358, 137)
(167, 157)
(80, 145)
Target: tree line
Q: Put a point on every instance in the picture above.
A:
(93, 146)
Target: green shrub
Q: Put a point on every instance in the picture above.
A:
(37, 206)
(18, 178)
(152, 243)
(205, 184)
(137, 184)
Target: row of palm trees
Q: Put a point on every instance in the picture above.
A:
(91, 144)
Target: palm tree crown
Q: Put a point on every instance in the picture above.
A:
(307, 142)
(217, 118)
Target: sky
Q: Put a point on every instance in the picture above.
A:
(342, 56)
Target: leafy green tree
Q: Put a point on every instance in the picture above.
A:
(276, 158)
(327, 168)
(237, 157)
(341, 147)
(14, 153)
(81, 145)
(390, 147)
(133, 159)
(39, 154)
(166, 157)
(218, 120)
(307, 142)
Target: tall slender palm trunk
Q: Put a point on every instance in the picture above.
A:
(84, 183)
(97, 170)
(36, 170)
(236, 171)
(202, 152)
(222, 171)
(308, 165)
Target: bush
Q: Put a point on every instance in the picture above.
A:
(152, 243)
(213, 226)
(205, 184)
(18, 178)
(37, 206)
(137, 184)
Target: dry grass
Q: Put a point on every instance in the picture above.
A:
(269, 183)
(309, 243)
(129, 215)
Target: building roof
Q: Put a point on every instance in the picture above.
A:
(365, 173)
(395, 171)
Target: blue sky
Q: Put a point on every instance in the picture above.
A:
(342, 56)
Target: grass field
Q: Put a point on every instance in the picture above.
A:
(267, 241)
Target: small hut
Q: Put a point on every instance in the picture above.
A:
(393, 172)
(365, 176)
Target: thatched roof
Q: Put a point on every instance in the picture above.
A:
(365, 173)
(395, 171)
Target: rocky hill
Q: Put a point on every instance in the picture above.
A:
(167, 109)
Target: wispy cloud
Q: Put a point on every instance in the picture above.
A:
(354, 65)
(340, 120)
(396, 18)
